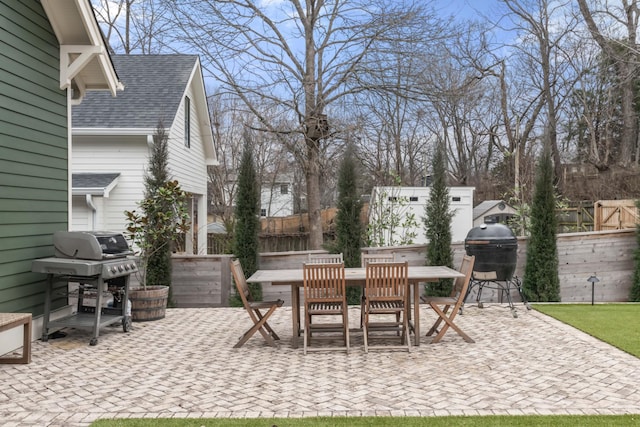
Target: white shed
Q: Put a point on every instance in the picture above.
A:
(405, 202)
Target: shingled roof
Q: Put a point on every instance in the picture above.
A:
(154, 86)
(94, 183)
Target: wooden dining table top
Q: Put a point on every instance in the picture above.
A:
(352, 274)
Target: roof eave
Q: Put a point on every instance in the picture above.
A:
(85, 63)
(197, 79)
(112, 131)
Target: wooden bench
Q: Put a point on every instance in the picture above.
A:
(14, 320)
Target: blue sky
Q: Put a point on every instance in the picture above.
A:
(466, 9)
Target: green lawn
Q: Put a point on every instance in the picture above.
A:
(617, 324)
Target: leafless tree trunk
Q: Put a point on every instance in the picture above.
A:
(623, 51)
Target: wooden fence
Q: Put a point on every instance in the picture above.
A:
(615, 215)
(205, 280)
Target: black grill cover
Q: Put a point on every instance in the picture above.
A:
(496, 249)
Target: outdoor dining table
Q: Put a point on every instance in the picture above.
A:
(353, 277)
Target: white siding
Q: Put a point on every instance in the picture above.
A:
(124, 155)
(274, 203)
(460, 202)
(81, 215)
(187, 164)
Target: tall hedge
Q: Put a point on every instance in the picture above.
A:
(541, 282)
(247, 213)
(437, 223)
(349, 228)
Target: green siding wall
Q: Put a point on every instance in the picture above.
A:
(33, 152)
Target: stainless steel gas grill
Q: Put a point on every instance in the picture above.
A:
(98, 262)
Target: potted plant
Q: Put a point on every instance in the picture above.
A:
(153, 229)
(162, 218)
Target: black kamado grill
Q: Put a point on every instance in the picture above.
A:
(496, 250)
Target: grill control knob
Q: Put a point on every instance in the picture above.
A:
(120, 268)
(114, 269)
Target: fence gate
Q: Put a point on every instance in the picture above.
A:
(615, 214)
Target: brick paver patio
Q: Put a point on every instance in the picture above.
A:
(185, 366)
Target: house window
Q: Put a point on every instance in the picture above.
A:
(263, 212)
(456, 199)
(187, 122)
(284, 189)
(413, 198)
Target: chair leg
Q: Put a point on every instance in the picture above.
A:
(305, 335)
(434, 328)
(258, 326)
(449, 323)
(405, 331)
(365, 334)
(345, 321)
(267, 326)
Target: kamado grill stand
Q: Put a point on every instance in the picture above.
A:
(495, 247)
(98, 262)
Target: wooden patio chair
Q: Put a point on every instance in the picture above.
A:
(325, 295)
(325, 259)
(386, 293)
(364, 260)
(255, 309)
(447, 308)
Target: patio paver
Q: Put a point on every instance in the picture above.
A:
(185, 366)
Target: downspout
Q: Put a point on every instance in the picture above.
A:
(93, 208)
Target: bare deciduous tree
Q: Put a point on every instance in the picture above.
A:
(300, 56)
(133, 26)
(620, 44)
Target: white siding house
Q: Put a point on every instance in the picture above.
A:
(114, 137)
(276, 200)
(405, 202)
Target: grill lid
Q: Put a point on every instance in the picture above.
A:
(490, 232)
(92, 245)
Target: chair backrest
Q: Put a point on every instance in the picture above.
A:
(386, 280)
(241, 282)
(324, 282)
(325, 259)
(462, 283)
(367, 258)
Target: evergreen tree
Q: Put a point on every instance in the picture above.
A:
(349, 229)
(247, 225)
(634, 295)
(156, 177)
(437, 222)
(541, 281)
